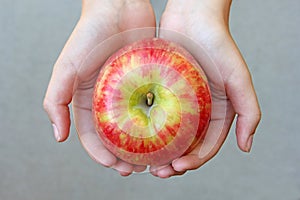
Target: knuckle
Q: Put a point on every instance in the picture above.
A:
(258, 116)
(46, 105)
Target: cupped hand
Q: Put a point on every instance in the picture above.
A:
(201, 26)
(75, 71)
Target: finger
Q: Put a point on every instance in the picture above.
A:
(241, 93)
(164, 171)
(63, 83)
(125, 169)
(57, 99)
(154, 169)
(244, 101)
(139, 168)
(167, 172)
(188, 162)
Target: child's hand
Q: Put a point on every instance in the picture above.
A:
(205, 22)
(73, 82)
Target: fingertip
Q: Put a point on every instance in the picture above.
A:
(245, 145)
(178, 165)
(124, 169)
(189, 162)
(153, 171)
(242, 146)
(61, 130)
(139, 168)
(56, 133)
(169, 171)
(156, 170)
(165, 172)
(246, 128)
(59, 117)
(125, 174)
(163, 175)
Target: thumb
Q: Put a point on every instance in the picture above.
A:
(63, 84)
(243, 98)
(240, 90)
(57, 98)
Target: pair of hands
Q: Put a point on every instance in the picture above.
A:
(205, 23)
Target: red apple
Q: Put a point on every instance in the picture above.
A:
(151, 102)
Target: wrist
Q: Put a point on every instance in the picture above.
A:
(212, 10)
(188, 5)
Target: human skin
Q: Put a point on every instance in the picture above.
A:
(204, 21)
(73, 82)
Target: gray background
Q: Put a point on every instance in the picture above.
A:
(34, 166)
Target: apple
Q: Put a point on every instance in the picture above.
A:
(151, 102)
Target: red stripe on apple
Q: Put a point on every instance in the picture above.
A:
(152, 131)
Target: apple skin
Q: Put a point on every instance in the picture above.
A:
(155, 134)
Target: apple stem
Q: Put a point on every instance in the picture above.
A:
(150, 98)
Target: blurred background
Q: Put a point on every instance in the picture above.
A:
(34, 166)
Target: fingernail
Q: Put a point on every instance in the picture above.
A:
(249, 143)
(56, 133)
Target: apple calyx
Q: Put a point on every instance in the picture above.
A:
(150, 99)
